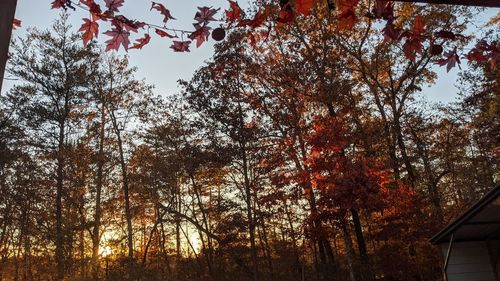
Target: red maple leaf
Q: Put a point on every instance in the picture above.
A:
(384, 10)
(113, 5)
(391, 33)
(411, 47)
(141, 42)
(413, 43)
(121, 22)
(164, 11)
(94, 8)
(484, 51)
(56, 4)
(234, 13)
(205, 15)
(477, 53)
(286, 14)
(16, 23)
(450, 60)
(90, 30)
(201, 34)
(304, 6)
(259, 18)
(347, 19)
(418, 26)
(164, 33)
(181, 46)
(118, 37)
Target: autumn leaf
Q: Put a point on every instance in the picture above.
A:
(347, 19)
(418, 26)
(234, 13)
(201, 34)
(121, 22)
(391, 33)
(118, 37)
(180, 46)
(286, 14)
(141, 42)
(113, 5)
(413, 43)
(450, 60)
(164, 11)
(164, 33)
(56, 4)
(205, 15)
(259, 18)
(94, 8)
(477, 56)
(90, 30)
(477, 53)
(383, 9)
(304, 6)
(16, 23)
(411, 47)
(484, 51)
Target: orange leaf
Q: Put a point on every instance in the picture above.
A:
(90, 30)
(141, 42)
(304, 6)
(164, 33)
(347, 19)
(418, 26)
(234, 14)
(285, 15)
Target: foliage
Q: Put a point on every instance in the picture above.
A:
(307, 156)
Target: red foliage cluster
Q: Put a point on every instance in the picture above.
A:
(287, 13)
(122, 27)
(486, 52)
(344, 182)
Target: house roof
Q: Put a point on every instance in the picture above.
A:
(479, 222)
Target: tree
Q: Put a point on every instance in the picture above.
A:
(221, 104)
(54, 68)
(122, 96)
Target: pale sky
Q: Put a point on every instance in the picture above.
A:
(160, 66)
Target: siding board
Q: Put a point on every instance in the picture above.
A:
(469, 261)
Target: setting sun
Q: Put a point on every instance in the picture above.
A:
(195, 242)
(106, 251)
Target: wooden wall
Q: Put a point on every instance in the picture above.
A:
(469, 261)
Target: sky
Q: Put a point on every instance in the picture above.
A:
(161, 67)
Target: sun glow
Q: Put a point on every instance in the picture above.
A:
(106, 251)
(195, 242)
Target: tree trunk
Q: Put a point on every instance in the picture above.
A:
(250, 218)
(366, 273)
(402, 147)
(349, 251)
(298, 263)
(126, 195)
(99, 182)
(128, 215)
(59, 193)
(325, 249)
